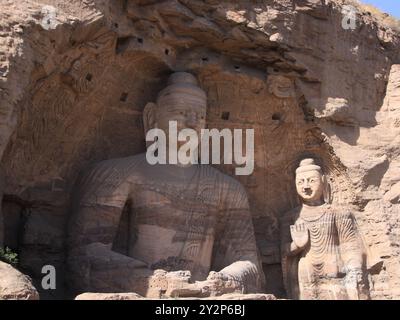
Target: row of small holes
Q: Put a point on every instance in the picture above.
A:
(205, 59)
(224, 115)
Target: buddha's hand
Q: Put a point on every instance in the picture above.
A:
(299, 233)
(216, 284)
(219, 283)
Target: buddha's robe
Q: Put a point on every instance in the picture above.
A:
(181, 218)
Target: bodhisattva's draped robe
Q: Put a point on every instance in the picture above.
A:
(334, 251)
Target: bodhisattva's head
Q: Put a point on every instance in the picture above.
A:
(182, 101)
(310, 183)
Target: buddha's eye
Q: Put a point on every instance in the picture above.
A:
(300, 182)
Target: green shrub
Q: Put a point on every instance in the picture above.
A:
(8, 256)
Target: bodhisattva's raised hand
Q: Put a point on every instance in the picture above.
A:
(299, 233)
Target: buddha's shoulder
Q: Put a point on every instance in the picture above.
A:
(117, 164)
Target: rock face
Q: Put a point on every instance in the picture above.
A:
(108, 296)
(14, 285)
(134, 296)
(75, 77)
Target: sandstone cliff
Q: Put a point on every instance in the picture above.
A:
(76, 75)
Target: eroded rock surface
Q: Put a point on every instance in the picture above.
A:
(14, 285)
(134, 296)
(108, 296)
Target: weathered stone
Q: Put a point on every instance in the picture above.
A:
(393, 195)
(14, 285)
(251, 296)
(75, 78)
(392, 98)
(108, 296)
(134, 296)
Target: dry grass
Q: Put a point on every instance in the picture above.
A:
(384, 18)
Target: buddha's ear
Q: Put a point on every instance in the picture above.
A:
(149, 117)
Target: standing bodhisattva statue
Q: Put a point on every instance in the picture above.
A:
(190, 228)
(322, 255)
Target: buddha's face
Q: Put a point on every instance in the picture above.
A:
(310, 185)
(187, 114)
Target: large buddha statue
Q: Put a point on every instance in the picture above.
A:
(322, 252)
(190, 231)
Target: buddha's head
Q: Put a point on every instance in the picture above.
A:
(311, 184)
(182, 101)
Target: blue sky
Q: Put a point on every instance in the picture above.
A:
(389, 6)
